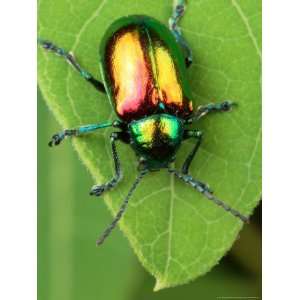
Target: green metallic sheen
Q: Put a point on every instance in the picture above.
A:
(156, 138)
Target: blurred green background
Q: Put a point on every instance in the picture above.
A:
(71, 267)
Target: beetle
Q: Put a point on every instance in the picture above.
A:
(143, 65)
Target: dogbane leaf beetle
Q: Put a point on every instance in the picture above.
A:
(143, 66)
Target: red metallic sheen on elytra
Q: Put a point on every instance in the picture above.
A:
(142, 72)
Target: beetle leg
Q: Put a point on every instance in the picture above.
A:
(204, 189)
(212, 107)
(188, 134)
(59, 137)
(69, 57)
(141, 164)
(178, 11)
(98, 190)
(122, 209)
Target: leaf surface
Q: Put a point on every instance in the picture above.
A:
(176, 233)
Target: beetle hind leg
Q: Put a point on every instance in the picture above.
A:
(69, 57)
(179, 7)
(98, 190)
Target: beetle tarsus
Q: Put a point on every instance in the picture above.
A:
(56, 139)
(227, 105)
(98, 190)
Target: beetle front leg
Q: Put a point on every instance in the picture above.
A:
(188, 134)
(59, 137)
(178, 12)
(69, 57)
(98, 190)
(202, 111)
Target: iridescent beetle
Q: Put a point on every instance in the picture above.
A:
(143, 67)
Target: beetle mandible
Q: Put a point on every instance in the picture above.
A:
(143, 66)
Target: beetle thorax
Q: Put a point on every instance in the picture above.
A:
(156, 138)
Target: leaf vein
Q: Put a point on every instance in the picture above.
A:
(248, 27)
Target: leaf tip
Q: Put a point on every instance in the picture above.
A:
(159, 285)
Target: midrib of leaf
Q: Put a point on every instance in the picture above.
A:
(160, 282)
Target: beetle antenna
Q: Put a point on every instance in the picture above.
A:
(122, 209)
(203, 189)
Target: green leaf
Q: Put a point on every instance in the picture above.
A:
(70, 267)
(176, 233)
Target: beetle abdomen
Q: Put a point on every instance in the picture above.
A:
(143, 68)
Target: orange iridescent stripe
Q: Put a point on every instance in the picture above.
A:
(130, 72)
(167, 77)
